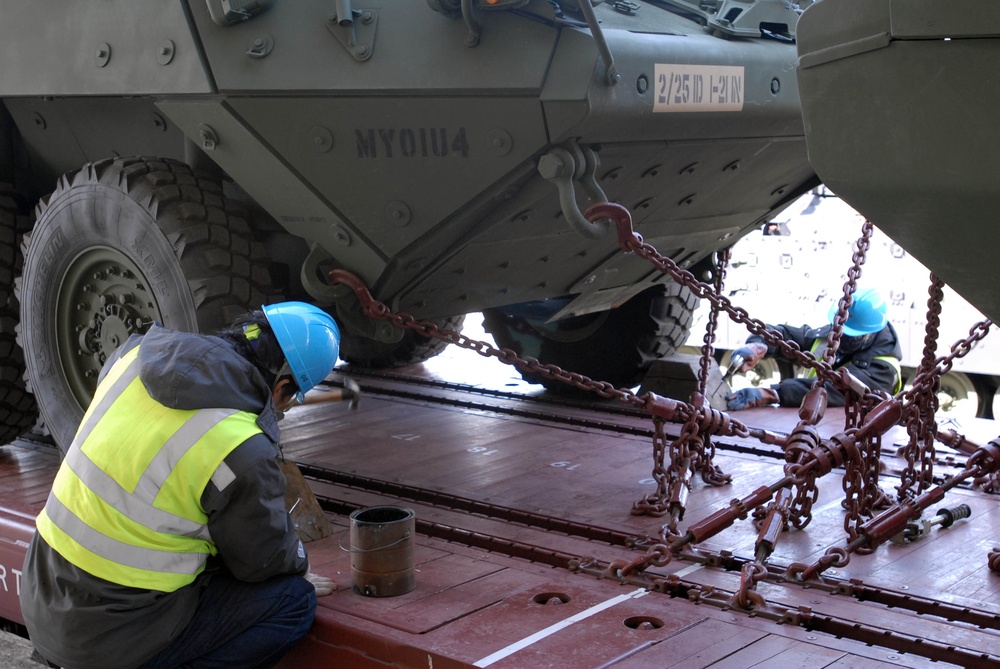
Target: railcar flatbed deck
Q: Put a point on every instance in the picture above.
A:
(515, 495)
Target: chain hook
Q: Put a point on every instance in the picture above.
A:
(620, 217)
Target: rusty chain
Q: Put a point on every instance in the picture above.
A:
(693, 449)
(655, 504)
(853, 486)
(380, 311)
(862, 491)
(802, 443)
(657, 555)
(708, 345)
(920, 424)
(698, 418)
(669, 410)
(710, 472)
(850, 287)
(809, 458)
(687, 452)
(860, 482)
(927, 380)
(747, 597)
(631, 242)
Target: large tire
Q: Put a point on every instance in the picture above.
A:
(961, 396)
(411, 349)
(617, 346)
(18, 410)
(121, 244)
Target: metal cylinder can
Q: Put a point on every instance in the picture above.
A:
(382, 551)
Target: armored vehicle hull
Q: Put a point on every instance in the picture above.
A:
(190, 159)
(899, 119)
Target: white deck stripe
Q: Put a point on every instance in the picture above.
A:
(688, 570)
(552, 629)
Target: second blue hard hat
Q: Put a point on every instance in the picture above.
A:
(867, 314)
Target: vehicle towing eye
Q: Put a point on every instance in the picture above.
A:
(563, 166)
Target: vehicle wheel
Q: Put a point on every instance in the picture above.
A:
(958, 397)
(616, 346)
(119, 245)
(18, 410)
(411, 349)
(991, 397)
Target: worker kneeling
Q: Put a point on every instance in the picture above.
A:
(165, 541)
(869, 349)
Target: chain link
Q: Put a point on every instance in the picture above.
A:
(378, 310)
(798, 454)
(654, 504)
(707, 350)
(711, 473)
(850, 287)
(858, 483)
(929, 380)
(984, 462)
(920, 424)
(746, 596)
(657, 555)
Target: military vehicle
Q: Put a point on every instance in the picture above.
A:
(179, 162)
(899, 122)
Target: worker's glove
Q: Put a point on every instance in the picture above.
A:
(351, 393)
(744, 399)
(324, 586)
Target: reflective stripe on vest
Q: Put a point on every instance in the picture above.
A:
(894, 363)
(126, 503)
(817, 349)
(819, 345)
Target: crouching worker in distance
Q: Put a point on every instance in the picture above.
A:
(165, 541)
(869, 349)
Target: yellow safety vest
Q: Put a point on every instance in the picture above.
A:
(126, 503)
(819, 345)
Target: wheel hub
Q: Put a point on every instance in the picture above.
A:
(103, 300)
(109, 328)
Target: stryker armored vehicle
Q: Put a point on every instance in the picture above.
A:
(180, 161)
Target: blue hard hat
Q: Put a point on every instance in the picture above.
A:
(866, 315)
(308, 337)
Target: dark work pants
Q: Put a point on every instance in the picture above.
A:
(242, 625)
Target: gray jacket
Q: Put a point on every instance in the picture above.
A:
(77, 620)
